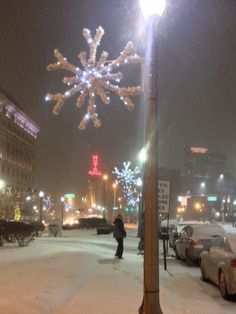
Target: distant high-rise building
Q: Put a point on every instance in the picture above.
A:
(203, 168)
(18, 136)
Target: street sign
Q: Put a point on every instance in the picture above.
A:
(163, 197)
(212, 198)
(69, 195)
(115, 208)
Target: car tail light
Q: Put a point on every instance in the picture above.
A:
(192, 242)
(233, 263)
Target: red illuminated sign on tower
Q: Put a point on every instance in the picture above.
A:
(94, 172)
(199, 150)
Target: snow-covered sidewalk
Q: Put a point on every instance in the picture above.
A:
(78, 274)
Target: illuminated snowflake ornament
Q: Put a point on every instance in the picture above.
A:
(48, 202)
(128, 178)
(95, 78)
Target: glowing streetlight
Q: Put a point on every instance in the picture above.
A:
(150, 7)
(41, 195)
(203, 184)
(198, 206)
(151, 299)
(2, 184)
(142, 156)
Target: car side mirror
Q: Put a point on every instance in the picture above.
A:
(208, 248)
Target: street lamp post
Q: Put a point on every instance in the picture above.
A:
(114, 185)
(62, 209)
(139, 184)
(151, 298)
(104, 177)
(27, 210)
(41, 195)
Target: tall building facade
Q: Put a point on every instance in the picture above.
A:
(207, 186)
(18, 138)
(203, 169)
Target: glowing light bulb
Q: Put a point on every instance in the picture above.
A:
(150, 7)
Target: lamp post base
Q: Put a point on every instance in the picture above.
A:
(150, 304)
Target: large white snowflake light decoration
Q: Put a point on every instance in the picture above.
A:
(128, 179)
(96, 78)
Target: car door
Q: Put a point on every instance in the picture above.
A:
(215, 256)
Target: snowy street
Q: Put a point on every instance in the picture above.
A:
(77, 273)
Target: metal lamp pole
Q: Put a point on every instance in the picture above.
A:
(151, 298)
(41, 195)
(114, 185)
(139, 184)
(104, 177)
(62, 209)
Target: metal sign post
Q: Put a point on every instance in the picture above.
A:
(163, 209)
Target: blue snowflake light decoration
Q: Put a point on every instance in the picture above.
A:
(48, 202)
(128, 179)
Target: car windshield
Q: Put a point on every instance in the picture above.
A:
(181, 226)
(208, 231)
(232, 241)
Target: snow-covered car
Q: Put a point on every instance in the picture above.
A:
(219, 264)
(196, 238)
(166, 228)
(175, 232)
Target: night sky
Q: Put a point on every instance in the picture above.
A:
(196, 70)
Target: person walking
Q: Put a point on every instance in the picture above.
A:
(119, 234)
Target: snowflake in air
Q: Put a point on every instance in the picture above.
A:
(96, 78)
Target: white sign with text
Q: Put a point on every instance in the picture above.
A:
(163, 197)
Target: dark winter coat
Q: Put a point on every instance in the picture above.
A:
(119, 230)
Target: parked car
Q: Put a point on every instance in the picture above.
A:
(106, 228)
(176, 231)
(102, 225)
(90, 223)
(196, 238)
(219, 264)
(166, 228)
